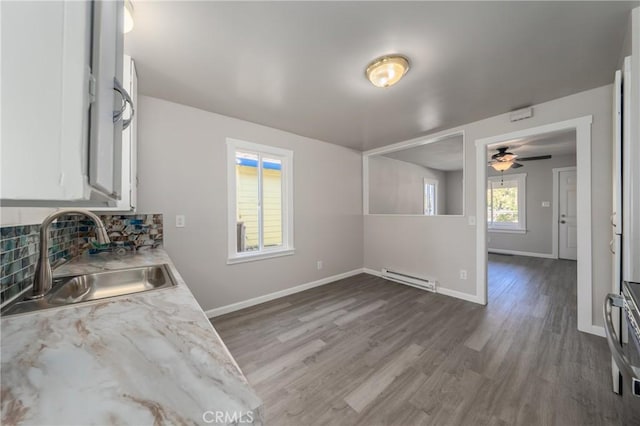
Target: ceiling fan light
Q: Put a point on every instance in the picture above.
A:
(387, 70)
(501, 166)
(503, 155)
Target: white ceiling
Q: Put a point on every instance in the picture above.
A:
(446, 154)
(299, 66)
(554, 144)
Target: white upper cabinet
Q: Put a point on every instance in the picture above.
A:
(61, 103)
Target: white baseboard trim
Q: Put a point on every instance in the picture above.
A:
(523, 253)
(440, 290)
(216, 312)
(459, 295)
(596, 329)
(372, 272)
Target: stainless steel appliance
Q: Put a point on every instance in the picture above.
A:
(626, 355)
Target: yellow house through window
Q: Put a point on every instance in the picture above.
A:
(259, 201)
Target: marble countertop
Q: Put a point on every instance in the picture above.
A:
(142, 359)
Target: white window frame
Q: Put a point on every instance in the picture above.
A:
(433, 182)
(287, 248)
(521, 226)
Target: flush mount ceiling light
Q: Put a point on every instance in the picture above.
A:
(128, 16)
(387, 70)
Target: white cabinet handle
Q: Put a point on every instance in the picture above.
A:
(126, 99)
(614, 343)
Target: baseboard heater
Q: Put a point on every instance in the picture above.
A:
(423, 283)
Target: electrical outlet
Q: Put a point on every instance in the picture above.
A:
(463, 274)
(180, 221)
(319, 264)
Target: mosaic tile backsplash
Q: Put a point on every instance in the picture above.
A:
(69, 236)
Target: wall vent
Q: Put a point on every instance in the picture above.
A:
(521, 114)
(423, 283)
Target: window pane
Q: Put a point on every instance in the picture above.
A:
(272, 201)
(429, 199)
(504, 202)
(247, 202)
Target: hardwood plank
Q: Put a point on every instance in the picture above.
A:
(280, 364)
(360, 312)
(310, 326)
(378, 382)
(319, 313)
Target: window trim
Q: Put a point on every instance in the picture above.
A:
(521, 226)
(287, 247)
(434, 182)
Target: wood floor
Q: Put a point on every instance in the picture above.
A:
(366, 351)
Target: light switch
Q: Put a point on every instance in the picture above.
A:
(546, 204)
(180, 221)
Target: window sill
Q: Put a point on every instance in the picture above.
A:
(507, 231)
(259, 256)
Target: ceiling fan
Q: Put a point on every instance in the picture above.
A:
(504, 160)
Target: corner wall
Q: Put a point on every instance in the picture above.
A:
(182, 170)
(397, 187)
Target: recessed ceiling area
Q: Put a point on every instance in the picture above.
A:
(446, 155)
(300, 66)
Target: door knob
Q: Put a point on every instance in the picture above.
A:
(563, 215)
(563, 221)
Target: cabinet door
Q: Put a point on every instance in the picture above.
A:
(133, 138)
(45, 99)
(105, 145)
(127, 201)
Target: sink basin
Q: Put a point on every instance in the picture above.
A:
(100, 285)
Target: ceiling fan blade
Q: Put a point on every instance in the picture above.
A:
(516, 166)
(538, 157)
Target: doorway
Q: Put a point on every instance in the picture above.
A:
(582, 128)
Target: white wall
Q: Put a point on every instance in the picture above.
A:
(539, 235)
(440, 246)
(182, 170)
(397, 187)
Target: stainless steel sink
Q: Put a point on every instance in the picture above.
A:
(101, 285)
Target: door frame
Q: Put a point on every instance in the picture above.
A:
(582, 127)
(555, 248)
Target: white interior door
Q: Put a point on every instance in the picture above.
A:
(567, 223)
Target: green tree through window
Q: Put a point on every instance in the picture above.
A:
(505, 202)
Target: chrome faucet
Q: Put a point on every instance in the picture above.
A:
(43, 278)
